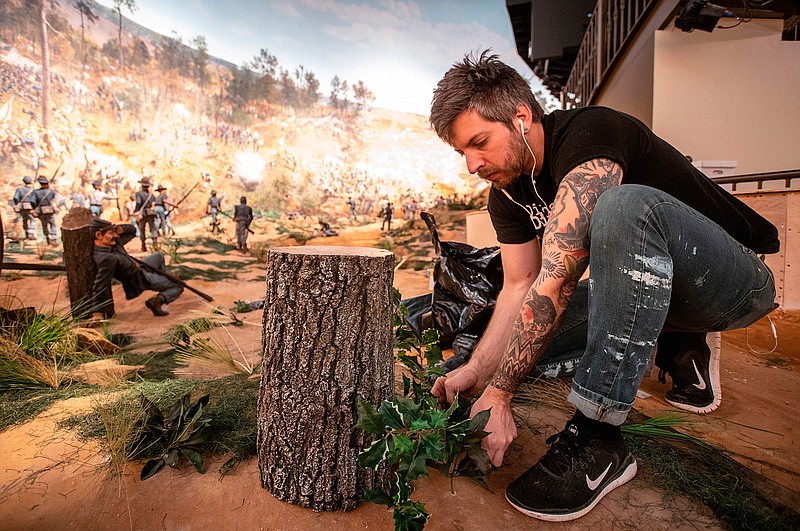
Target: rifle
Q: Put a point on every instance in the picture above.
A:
(174, 279)
(55, 173)
(182, 199)
(231, 217)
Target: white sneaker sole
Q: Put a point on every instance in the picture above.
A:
(714, 342)
(625, 477)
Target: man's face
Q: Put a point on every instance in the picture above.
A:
(490, 149)
(106, 238)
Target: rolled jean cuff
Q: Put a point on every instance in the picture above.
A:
(597, 407)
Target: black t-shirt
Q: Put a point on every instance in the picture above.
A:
(575, 136)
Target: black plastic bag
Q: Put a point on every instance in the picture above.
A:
(467, 281)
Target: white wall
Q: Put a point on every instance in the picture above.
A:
(730, 95)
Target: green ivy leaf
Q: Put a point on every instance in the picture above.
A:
(480, 419)
(418, 468)
(375, 454)
(391, 415)
(378, 496)
(438, 419)
(422, 424)
(369, 419)
(410, 517)
(433, 447)
(400, 446)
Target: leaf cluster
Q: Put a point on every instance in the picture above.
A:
(179, 434)
(413, 433)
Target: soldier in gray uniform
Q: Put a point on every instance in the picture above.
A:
(23, 206)
(146, 213)
(213, 207)
(44, 205)
(162, 202)
(243, 216)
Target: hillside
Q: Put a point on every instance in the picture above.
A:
(121, 125)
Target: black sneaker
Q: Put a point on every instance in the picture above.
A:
(574, 474)
(692, 361)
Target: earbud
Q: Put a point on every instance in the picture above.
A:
(521, 126)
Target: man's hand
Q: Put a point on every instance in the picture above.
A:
(463, 380)
(501, 427)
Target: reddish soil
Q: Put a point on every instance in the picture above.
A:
(51, 480)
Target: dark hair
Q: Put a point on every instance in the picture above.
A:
(484, 84)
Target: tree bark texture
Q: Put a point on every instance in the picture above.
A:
(327, 339)
(78, 240)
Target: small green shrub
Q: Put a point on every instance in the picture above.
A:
(414, 433)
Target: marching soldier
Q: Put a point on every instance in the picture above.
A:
(213, 207)
(23, 206)
(162, 201)
(44, 206)
(146, 213)
(243, 215)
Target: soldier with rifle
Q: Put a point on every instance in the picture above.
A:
(243, 216)
(162, 202)
(146, 213)
(176, 205)
(136, 276)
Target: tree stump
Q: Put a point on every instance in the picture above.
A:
(78, 240)
(327, 339)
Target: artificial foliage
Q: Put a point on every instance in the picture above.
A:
(414, 433)
(180, 434)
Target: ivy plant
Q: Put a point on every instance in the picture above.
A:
(414, 433)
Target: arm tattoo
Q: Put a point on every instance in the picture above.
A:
(565, 257)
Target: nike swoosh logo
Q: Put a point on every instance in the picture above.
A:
(702, 385)
(593, 484)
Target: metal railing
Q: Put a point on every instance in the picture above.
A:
(760, 178)
(612, 24)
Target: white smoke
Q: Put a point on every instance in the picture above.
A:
(250, 169)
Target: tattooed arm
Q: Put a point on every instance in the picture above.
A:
(565, 256)
(521, 264)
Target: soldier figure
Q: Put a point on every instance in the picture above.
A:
(96, 198)
(243, 215)
(45, 208)
(23, 206)
(213, 207)
(146, 213)
(114, 262)
(162, 201)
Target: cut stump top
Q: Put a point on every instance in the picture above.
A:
(333, 250)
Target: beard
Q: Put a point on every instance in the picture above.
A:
(513, 166)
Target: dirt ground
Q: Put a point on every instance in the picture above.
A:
(51, 480)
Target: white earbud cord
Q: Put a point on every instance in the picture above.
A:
(527, 208)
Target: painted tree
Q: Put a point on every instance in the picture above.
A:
(131, 6)
(363, 96)
(86, 10)
(45, 61)
(200, 60)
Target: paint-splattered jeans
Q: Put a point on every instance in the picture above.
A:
(654, 263)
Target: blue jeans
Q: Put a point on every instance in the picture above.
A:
(654, 263)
